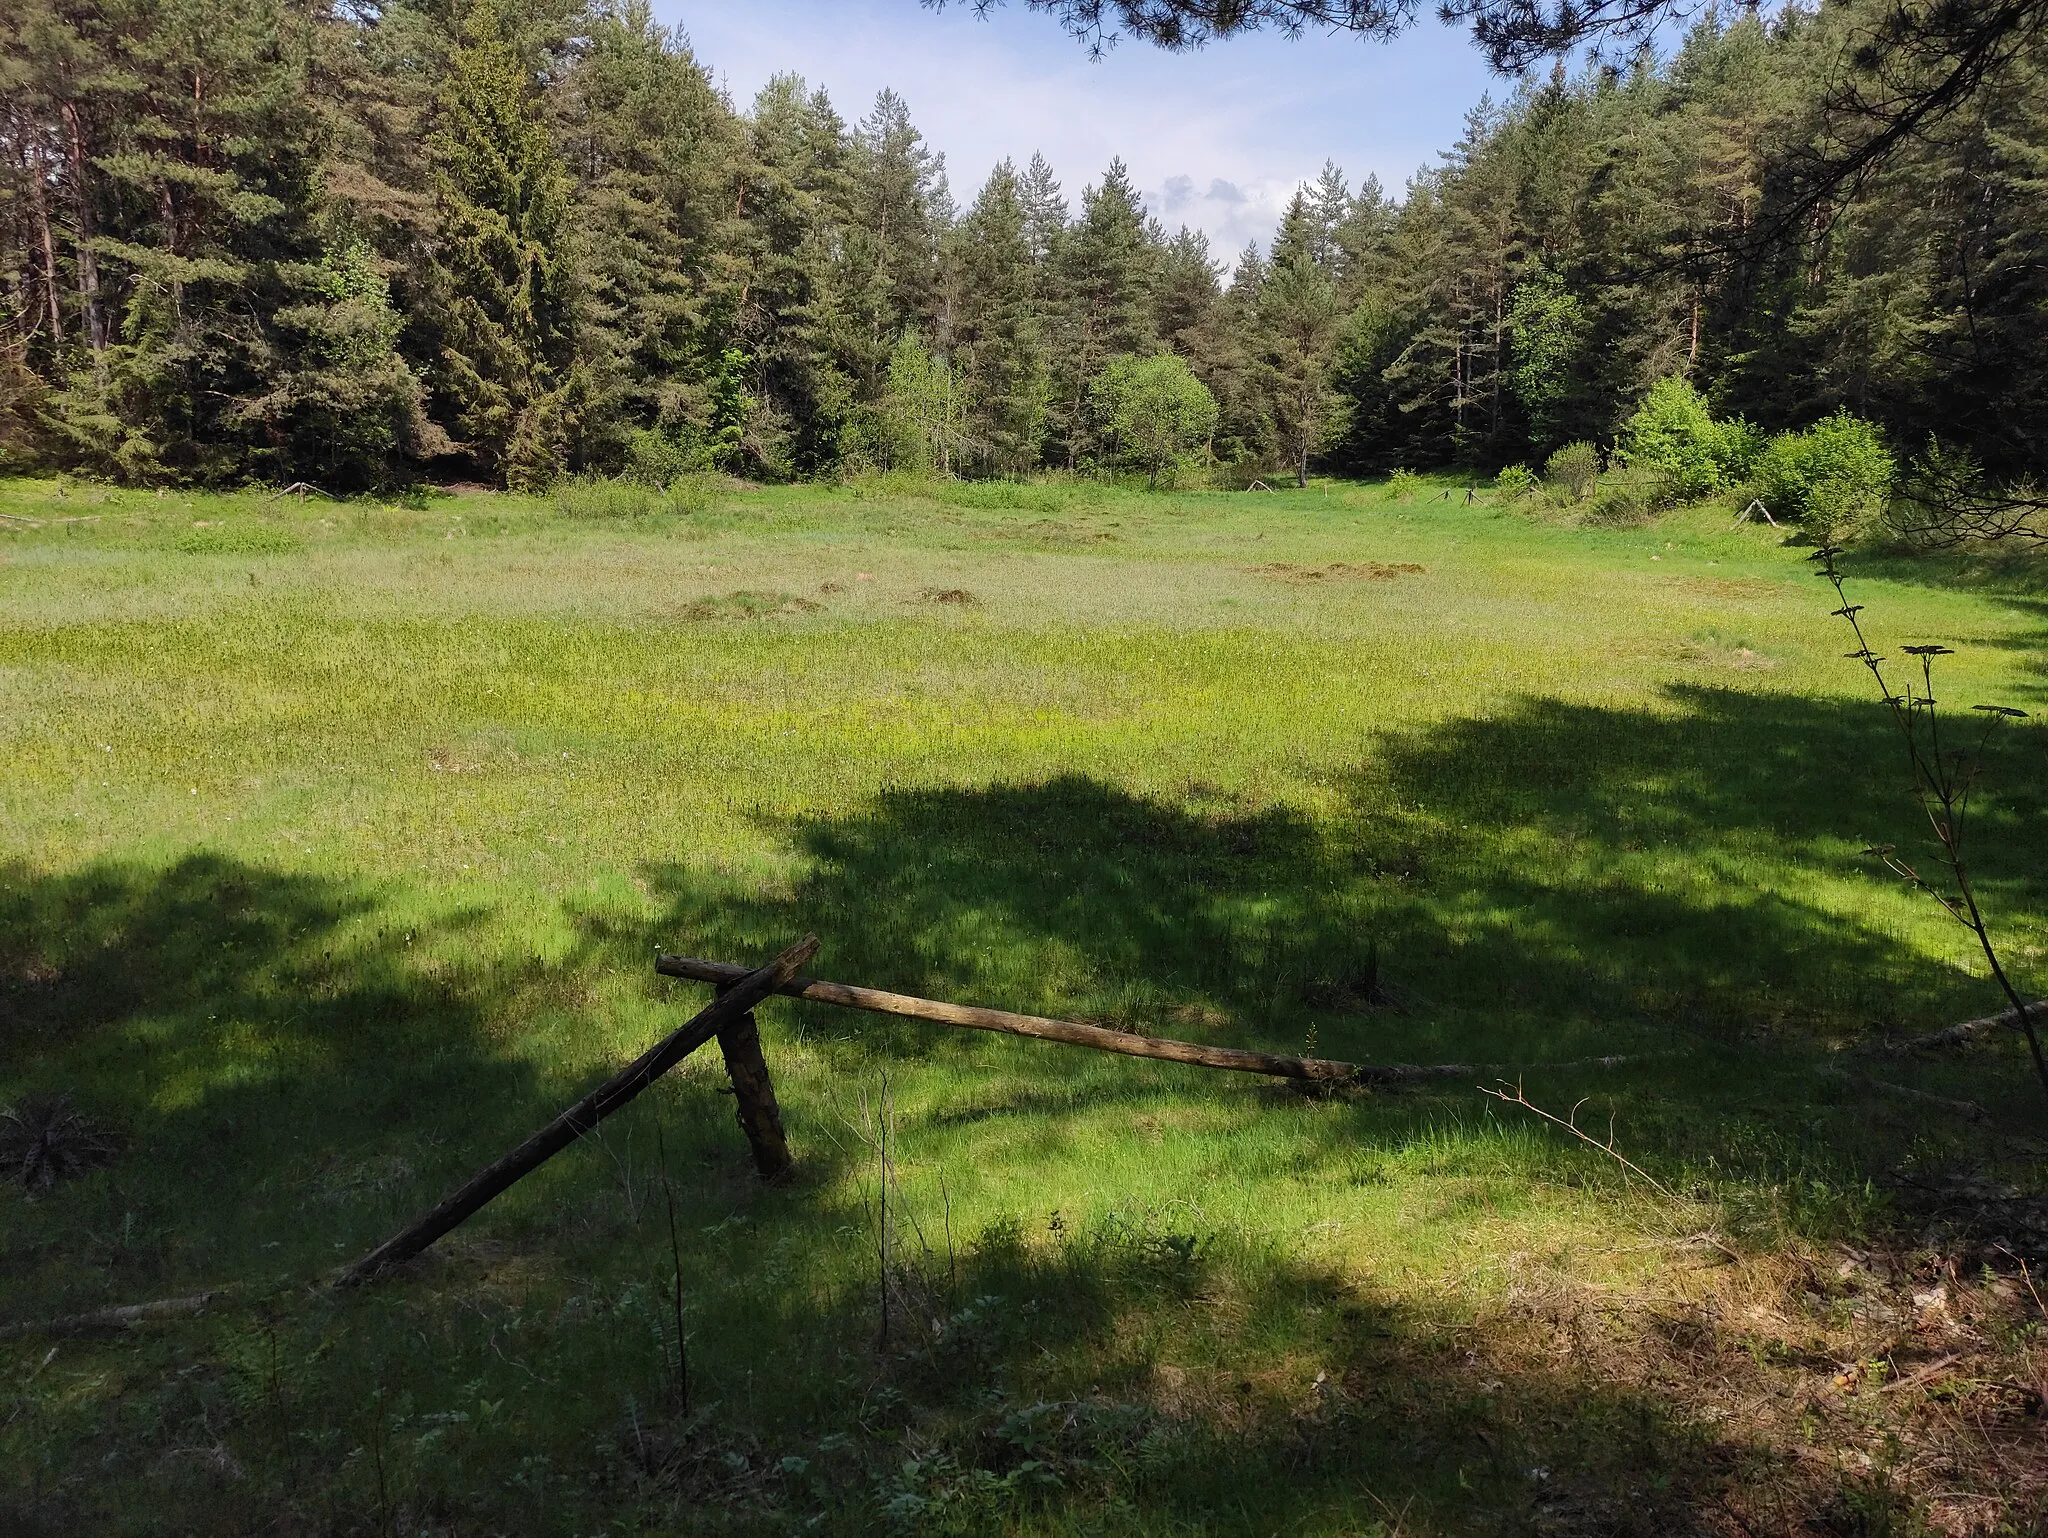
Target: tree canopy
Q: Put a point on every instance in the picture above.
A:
(513, 239)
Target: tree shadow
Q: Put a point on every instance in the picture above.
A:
(1554, 881)
(283, 1073)
(1557, 880)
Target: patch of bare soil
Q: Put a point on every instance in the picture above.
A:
(1850, 1392)
(959, 597)
(1338, 571)
(748, 604)
(1741, 658)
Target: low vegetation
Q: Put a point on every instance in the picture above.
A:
(338, 838)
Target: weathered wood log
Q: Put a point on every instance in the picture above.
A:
(1969, 1110)
(1955, 1035)
(747, 989)
(1071, 1032)
(753, 1094)
(102, 1321)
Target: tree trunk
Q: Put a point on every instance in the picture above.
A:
(84, 231)
(40, 206)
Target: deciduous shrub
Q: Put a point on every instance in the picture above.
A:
(1157, 416)
(1403, 484)
(1573, 471)
(1673, 436)
(1515, 482)
(1836, 477)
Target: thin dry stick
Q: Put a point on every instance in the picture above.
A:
(1571, 1124)
(675, 1252)
(881, 1125)
(1942, 782)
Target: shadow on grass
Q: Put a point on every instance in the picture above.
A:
(285, 1076)
(1554, 881)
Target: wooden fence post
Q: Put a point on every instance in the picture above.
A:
(736, 999)
(753, 1094)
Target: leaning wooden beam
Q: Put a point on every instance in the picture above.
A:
(1069, 1031)
(747, 990)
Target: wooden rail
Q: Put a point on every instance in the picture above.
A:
(745, 988)
(1072, 1032)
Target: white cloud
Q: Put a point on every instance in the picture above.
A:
(1248, 120)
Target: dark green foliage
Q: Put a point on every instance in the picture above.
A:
(504, 273)
(512, 238)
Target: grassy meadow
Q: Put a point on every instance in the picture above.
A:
(337, 839)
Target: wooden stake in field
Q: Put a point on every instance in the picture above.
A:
(732, 1005)
(753, 1094)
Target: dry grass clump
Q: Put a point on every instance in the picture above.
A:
(746, 604)
(1338, 571)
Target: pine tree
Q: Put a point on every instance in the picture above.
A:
(1046, 214)
(509, 347)
(997, 338)
(1102, 305)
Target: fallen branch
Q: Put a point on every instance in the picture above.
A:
(747, 990)
(1969, 1110)
(1954, 1035)
(109, 1320)
(1072, 1032)
(1570, 1123)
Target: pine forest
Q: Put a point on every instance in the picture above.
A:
(513, 240)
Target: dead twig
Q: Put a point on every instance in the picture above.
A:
(1570, 1123)
(1969, 1110)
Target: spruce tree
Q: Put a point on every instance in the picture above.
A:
(655, 153)
(1102, 304)
(997, 337)
(508, 344)
(1298, 317)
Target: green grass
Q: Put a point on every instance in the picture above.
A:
(336, 841)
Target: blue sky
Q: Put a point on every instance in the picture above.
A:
(1216, 139)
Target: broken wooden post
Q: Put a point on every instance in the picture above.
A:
(743, 994)
(753, 1094)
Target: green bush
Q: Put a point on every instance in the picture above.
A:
(1573, 471)
(1157, 416)
(1836, 477)
(657, 459)
(1515, 482)
(1674, 437)
(1625, 500)
(1403, 484)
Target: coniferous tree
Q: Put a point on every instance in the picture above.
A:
(1101, 301)
(654, 151)
(508, 346)
(995, 329)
